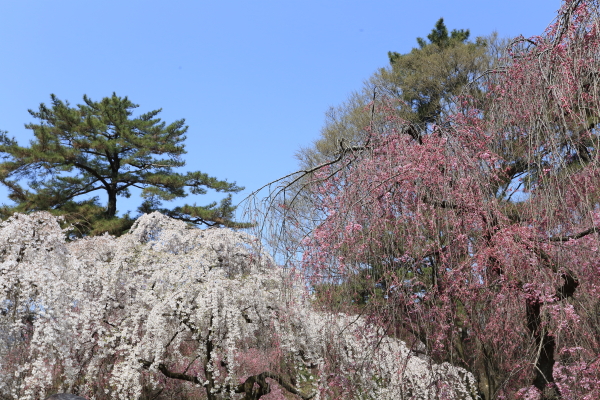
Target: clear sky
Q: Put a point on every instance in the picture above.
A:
(253, 79)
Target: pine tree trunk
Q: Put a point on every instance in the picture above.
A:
(111, 209)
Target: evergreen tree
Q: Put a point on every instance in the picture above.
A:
(419, 87)
(439, 36)
(101, 147)
(425, 80)
(429, 76)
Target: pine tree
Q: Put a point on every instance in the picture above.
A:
(429, 76)
(421, 87)
(426, 82)
(102, 147)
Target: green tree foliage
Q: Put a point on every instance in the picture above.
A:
(97, 147)
(426, 80)
(429, 76)
(423, 86)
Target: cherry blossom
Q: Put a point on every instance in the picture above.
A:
(171, 307)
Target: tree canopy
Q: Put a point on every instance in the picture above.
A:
(447, 250)
(477, 237)
(428, 77)
(420, 88)
(426, 80)
(100, 146)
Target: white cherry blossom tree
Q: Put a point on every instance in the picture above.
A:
(169, 310)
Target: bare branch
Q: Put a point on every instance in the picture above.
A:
(574, 237)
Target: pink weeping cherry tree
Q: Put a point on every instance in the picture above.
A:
(477, 238)
(170, 311)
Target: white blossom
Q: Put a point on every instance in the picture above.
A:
(107, 316)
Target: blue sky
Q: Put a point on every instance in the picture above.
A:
(253, 79)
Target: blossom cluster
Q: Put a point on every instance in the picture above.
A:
(118, 318)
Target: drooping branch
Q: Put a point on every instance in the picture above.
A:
(574, 237)
(247, 387)
(565, 21)
(170, 374)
